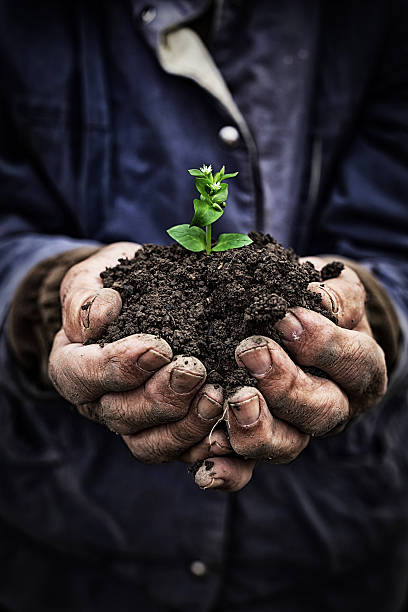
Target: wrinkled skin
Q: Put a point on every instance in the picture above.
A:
(161, 406)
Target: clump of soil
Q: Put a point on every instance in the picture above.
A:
(205, 305)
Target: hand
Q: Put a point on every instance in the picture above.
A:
(276, 420)
(159, 405)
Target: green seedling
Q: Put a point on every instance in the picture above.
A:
(208, 209)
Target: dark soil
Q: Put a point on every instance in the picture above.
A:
(205, 305)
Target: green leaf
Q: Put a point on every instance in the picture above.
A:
(231, 175)
(201, 186)
(191, 238)
(196, 172)
(221, 195)
(220, 175)
(205, 214)
(231, 241)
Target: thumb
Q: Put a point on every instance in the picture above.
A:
(87, 307)
(87, 313)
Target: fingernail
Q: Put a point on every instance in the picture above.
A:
(332, 302)
(182, 381)
(257, 360)
(208, 408)
(248, 411)
(206, 477)
(214, 483)
(86, 311)
(152, 360)
(218, 438)
(289, 327)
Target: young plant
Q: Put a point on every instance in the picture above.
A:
(208, 209)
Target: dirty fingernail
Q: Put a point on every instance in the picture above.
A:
(208, 408)
(152, 360)
(289, 327)
(257, 360)
(206, 477)
(329, 298)
(246, 412)
(86, 311)
(220, 440)
(215, 483)
(182, 381)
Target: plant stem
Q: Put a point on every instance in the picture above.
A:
(208, 239)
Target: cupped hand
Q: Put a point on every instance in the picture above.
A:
(275, 420)
(159, 404)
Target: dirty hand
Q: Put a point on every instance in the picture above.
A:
(276, 420)
(159, 405)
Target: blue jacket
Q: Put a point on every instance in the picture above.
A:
(96, 132)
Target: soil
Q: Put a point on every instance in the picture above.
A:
(204, 305)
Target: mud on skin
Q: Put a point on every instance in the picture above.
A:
(204, 305)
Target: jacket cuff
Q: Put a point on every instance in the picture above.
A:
(35, 312)
(381, 313)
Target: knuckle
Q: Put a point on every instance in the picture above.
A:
(374, 387)
(90, 411)
(238, 477)
(346, 362)
(252, 447)
(287, 450)
(115, 413)
(173, 410)
(327, 417)
(319, 344)
(72, 385)
(364, 367)
(176, 440)
(282, 387)
(53, 371)
(80, 385)
(184, 435)
(310, 405)
(146, 449)
(323, 350)
(114, 369)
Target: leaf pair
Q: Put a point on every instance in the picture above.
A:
(193, 238)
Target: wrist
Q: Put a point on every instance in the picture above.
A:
(35, 314)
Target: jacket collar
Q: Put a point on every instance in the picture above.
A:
(165, 15)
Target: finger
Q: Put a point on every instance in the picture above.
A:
(225, 473)
(352, 359)
(213, 445)
(165, 397)
(255, 433)
(313, 404)
(87, 307)
(169, 441)
(88, 312)
(84, 373)
(344, 296)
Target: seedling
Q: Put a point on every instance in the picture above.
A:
(208, 209)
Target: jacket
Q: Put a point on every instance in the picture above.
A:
(103, 107)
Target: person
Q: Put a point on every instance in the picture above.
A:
(104, 107)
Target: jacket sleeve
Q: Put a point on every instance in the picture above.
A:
(35, 222)
(366, 213)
